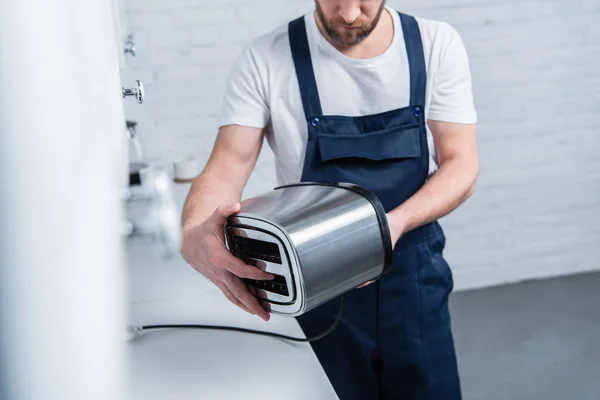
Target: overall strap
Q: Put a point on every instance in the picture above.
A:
(416, 59)
(304, 68)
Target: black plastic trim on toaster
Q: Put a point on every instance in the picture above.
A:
(379, 210)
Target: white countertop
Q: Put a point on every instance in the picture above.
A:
(209, 364)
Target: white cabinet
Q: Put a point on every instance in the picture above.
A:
(61, 256)
(121, 32)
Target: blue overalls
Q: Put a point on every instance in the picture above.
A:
(394, 341)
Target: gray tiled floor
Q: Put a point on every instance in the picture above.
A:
(534, 340)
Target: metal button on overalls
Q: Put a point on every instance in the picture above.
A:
(394, 341)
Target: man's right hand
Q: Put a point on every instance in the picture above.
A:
(203, 247)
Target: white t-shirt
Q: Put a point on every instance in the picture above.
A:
(262, 90)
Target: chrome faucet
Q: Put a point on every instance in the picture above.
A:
(138, 92)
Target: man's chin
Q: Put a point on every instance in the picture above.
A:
(345, 39)
(347, 43)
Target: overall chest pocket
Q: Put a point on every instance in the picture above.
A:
(393, 143)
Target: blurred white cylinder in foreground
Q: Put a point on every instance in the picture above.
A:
(61, 150)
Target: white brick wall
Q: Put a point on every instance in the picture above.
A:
(536, 212)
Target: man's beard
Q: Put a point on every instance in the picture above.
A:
(347, 38)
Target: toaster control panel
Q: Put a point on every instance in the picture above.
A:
(277, 285)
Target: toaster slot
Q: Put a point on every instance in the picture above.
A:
(277, 285)
(258, 249)
(258, 244)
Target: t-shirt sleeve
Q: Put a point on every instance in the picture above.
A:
(245, 100)
(452, 94)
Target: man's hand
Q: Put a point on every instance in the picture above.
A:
(204, 249)
(222, 181)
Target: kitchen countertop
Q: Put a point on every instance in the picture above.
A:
(209, 364)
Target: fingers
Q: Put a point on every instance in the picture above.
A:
(239, 268)
(224, 259)
(241, 292)
(234, 299)
(225, 210)
(244, 299)
(243, 270)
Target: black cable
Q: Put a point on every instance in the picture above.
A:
(236, 329)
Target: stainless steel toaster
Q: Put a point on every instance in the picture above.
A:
(319, 240)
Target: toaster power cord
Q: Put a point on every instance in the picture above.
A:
(136, 330)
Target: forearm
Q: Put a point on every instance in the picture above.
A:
(225, 175)
(208, 191)
(448, 188)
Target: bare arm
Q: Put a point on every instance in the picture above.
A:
(215, 195)
(449, 187)
(225, 175)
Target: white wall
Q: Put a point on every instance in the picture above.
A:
(534, 63)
